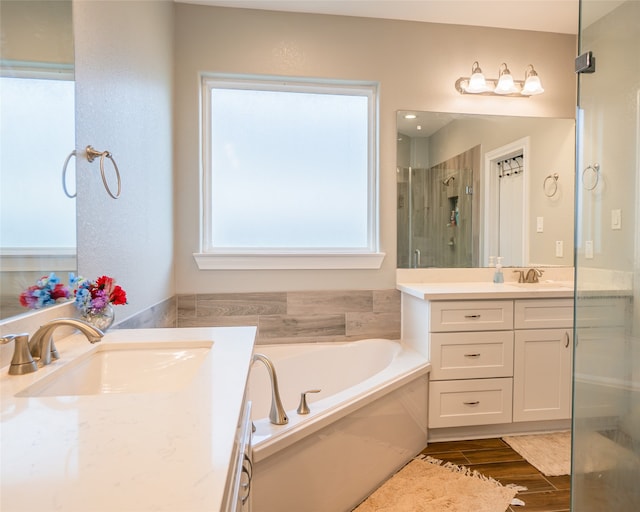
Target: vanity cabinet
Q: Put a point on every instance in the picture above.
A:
(499, 361)
(543, 355)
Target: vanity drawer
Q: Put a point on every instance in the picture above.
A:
(471, 355)
(543, 313)
(471, 315)
(461, 403)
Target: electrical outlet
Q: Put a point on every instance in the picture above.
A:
(588, 249)
(559, 248)
(616, 219)
(539, 224)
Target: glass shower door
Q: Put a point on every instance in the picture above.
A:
(606, 402)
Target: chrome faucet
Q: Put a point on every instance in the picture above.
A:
(533, 274)
(42, 345)
(277, 415)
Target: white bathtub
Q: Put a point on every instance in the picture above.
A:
(369, 419)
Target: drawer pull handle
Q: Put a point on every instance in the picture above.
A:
(472, 403)
(566, 343)
(472, 355)
(472, 316)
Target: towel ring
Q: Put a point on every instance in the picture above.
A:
(64, 176)
(92, 154)
(554, 182)
(595, 170)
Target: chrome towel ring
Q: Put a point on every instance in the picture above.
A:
(550, 185)
(92, 154)
(64, 175)
(595, 172)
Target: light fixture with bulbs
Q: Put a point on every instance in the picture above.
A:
(504, 85)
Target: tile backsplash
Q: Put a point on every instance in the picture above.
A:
(286, 317)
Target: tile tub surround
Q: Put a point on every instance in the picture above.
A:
(300, 316)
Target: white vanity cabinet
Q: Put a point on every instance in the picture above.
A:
(497, 364)
(543, 355)
(471, 345)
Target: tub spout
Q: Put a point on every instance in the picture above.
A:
(277, 415)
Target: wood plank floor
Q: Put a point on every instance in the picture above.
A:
(495, 458)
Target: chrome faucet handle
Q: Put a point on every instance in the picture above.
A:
(21, 362)
(303, 408)
(520, 276)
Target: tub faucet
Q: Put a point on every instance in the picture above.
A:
(41, 343)
(277, 415)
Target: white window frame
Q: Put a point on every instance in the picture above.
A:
(210, 257)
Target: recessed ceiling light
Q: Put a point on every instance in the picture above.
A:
(410, 116)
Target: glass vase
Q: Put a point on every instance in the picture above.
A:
(102, 319)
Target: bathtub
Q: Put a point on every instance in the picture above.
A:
(369, 419)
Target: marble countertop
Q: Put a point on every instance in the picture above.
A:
(488, 290)
(160, 450)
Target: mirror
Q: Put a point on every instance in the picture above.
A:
(37, 135)
(471, 188)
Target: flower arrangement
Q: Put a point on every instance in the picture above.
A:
(47, 291)
(92, 297)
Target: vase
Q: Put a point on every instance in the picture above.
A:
(102, 319)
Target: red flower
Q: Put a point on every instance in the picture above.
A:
(118, 296)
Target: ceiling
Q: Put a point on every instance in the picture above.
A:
(560, 16)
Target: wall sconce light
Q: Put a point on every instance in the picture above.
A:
(504, 85)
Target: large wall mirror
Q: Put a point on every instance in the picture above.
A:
(471, 188)
(37, 137)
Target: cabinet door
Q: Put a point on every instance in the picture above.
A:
(542, 374)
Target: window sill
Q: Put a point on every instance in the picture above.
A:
(210, 261)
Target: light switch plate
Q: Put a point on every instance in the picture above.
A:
(616, 219)
(539, 224)
(588, 249)
(559, 249)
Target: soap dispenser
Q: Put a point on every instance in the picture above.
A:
(498, 276)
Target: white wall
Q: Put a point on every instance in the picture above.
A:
(416, 64)
(124, 58)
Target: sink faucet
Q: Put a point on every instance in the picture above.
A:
(277, 415)
(21, 362)
(533, 274)
(41, 343)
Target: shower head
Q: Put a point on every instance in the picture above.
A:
(448, 180)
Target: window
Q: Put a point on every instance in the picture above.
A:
(289, 174)
(37, 133)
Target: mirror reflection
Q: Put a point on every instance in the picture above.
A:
(37, 134)
(471, 188)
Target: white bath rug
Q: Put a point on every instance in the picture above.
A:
(430, 485)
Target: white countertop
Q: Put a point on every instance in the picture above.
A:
(160, 451)
(487, 290)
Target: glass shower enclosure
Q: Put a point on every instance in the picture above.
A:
(606, 366)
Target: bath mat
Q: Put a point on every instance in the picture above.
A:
(430, 485)
(548, 453)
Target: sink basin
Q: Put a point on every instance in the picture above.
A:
(545, 285)
(125, 368)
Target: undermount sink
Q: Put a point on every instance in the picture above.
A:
(544, 284)
(125, 368)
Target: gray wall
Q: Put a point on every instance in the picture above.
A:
(416, 64)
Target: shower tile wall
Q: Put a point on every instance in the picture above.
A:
(441, 241)
(285, 317)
